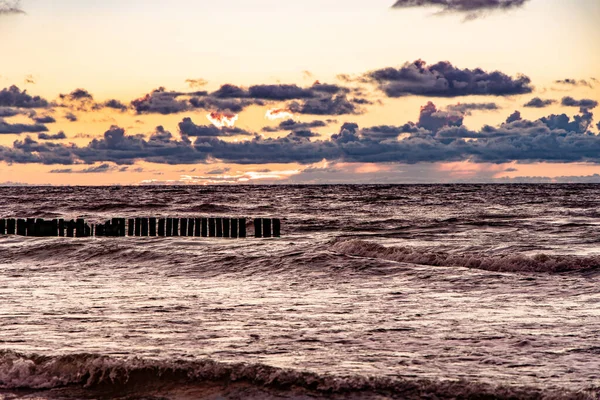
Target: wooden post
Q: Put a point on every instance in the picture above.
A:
(100, 230)
(144, 226)
(30, 227)
(138, 227)
(212, 227)
(190, 231)
(38, 228)
(242, 223)
(197, 226)
(169, 231)
(184, 226)
(152, 222)
(234, 228)
(61, 227)
(267, 227)
(21, 227)
(175, 226)
(11, 226)
(161, 226)
(204, 227)
(80, 228)
(71, 228)
(226, 228)
(257, 228)
(131, 227)
(276, 227)
(219, 224)
(2, 226)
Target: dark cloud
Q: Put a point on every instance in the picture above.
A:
(433, 119)
(445, 80)
(77, 94)
(220, 171)
(160, 101)
(14, 97)
(6, 112)
(7, 128)
(71, 117)
(583, 103)
(45, 119)
(291, 125)
(91, 170)
(574, 82)
(188, 128)
(58, 136)
(115, 104)
(229, 91)
(335, 105)
(536, 102)
(280, 92)
(516, 116)
(470, 8)
(10, 7)
(466, 108)
(222, 105)
(556, 138)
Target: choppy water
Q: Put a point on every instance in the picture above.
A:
(373, 292)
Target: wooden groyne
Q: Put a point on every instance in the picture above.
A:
(218, 227)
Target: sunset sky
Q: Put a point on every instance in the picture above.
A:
(369, 91)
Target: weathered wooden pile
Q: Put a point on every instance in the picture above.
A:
(142, 226)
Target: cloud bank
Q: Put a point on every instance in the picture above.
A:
(438, 136)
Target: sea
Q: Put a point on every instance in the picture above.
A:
(372, 292)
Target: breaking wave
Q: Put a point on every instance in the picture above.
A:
(499, 263)
(89, 374)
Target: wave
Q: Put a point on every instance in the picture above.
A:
(499, 263)
(90, 374)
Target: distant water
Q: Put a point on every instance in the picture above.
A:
(372, 292)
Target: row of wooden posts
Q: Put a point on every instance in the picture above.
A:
(121, 227)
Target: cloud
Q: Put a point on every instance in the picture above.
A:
(574, 82)
(470, 8)
(45, 119)
(219, 171)
(583, 103)
(7, 128)
(536, 102)
(196, 83)
(10, 7)
(58, 136)
(102, 168)
(14, 97)
(445, 80)
(335, 105)
(466, 108)
(555, 138)
(6, 112)
(433, 119)
(188, 128)
(115, 104)
(71, 117)
(160, 101)
(292, 125)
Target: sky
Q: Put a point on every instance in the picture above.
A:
(318, 91)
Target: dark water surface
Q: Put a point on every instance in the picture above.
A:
(372, 292)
